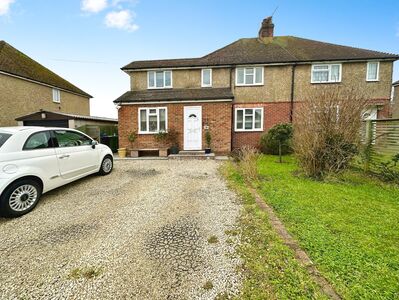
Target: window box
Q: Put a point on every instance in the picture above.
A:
(249, 76)
(159, 79)
(248, 119)
(373, 70)
(153, 120)
(326, 73)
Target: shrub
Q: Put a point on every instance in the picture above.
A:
(247, 158)
(132, 138)
(208, 138)
(327, 130)
(277, 140)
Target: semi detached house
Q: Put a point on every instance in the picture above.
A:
(241, 90)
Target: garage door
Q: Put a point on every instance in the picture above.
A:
(47, 123)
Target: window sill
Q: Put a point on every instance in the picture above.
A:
(148, 133)
(160, 88)
(374, 80)
(248, 130)
(328, 82)
(255, 84)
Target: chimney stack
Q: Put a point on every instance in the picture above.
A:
(267, 28)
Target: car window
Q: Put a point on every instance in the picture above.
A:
(3, 138)
(39, 140)
(67, 138)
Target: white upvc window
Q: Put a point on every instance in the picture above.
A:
(249, 119)
(153, 120)
(249, 76)
(373, 70)
(206, 77)
(325, 73)
(56, 96)
(159, 79)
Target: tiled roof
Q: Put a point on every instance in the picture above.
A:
(395, 83)
(280, 49)
(176, 95)
(16, 63)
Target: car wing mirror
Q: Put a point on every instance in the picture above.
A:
(94, 144)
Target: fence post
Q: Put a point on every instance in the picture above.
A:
(368, 143)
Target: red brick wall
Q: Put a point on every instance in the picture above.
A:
(216, 115)
(274, 113)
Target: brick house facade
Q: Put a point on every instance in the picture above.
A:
(247, 87)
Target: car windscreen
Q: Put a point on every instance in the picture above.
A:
(3, 138)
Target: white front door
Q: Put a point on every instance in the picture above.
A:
(192, 128)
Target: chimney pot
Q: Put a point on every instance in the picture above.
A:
(267, 28)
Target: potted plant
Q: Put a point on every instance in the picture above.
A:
(132, 138)
(173, 141)
(162, 138)
(208, 141)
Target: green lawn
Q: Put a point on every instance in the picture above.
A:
(270, 269)
(348, 225)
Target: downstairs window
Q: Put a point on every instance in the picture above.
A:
(249, 119)
(152, 120)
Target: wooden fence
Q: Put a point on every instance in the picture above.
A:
(382, 139)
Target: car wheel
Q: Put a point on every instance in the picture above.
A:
(20, 198)
(106, 165)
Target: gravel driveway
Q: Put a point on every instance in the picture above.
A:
(150, 230)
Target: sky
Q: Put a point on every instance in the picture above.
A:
(88, 41)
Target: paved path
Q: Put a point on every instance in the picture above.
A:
(140, 233)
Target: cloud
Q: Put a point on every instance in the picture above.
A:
(93, 6)
(122, 19)
(5, 6)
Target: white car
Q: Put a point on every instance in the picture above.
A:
(35, 160)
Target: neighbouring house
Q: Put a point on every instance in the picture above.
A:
(241, 90)
(27, 87)
(395, 100)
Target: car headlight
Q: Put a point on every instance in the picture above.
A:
(10, 169)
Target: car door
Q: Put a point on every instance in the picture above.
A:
(75, 154)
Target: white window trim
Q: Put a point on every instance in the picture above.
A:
(158, 122)
(245, 72)
(253, 120)
(202, 78)
(155, 80)
(56, 96)
(329, 73)
(378, 71)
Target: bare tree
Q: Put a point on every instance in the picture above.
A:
(327, 129)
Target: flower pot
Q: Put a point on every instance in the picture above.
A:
(207, 150)
(122, 152)
(174, 150)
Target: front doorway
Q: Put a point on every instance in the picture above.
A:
(192, 128)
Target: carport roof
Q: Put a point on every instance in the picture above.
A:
(64, 116)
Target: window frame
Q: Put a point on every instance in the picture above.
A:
(329, 73)
(210, 77)
(147, 119)
(378, 71)
(56, 95)
(254, 74)
(253, 119)
(155, 80)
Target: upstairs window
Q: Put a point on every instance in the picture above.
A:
(373, 70)
(152, 120)
(249, 119)
(206, 77)
(326, 73)
(249, 76)
(56, 96)
(159, 79)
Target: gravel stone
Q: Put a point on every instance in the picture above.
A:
(140, 233)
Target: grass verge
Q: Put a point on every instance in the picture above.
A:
(269, 267)
(348, 225)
